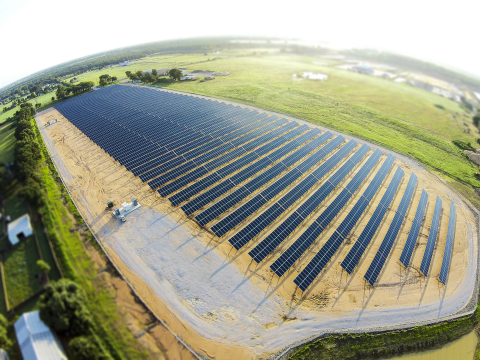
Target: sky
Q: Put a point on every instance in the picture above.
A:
(38, 34)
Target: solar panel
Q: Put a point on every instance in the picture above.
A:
(238, 195)
(447, 253)
(293, 253)
(187, 193)
(414, 230)
(244, 235)
(432, 237)
(356, 252)
(267, 245)
(387, 244)
(238, 216)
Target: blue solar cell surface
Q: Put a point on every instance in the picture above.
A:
(432, 237)
(447, 253)
(414, 230)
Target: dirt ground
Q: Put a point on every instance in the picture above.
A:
(258, 313)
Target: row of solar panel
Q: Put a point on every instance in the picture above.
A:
(220, 138)
(107, 132)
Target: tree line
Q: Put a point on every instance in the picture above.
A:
(153, 76)
(75, 89)
(63, 305)
(101, 60)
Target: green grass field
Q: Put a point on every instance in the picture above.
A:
(20, 266)
(7, 143)
(42, 99)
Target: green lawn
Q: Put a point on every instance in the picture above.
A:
(20, 266)
(19, 263)
(7, 143)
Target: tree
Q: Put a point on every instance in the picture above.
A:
(71, 81)
(61, 92)
(128, 73)
(103, 82)
(154, 72)
(43, 267)
(32, 193)
(139, 74)
(21, 126)
(63, 307)
(53, 98)
(148, 78)
(175, 74)
(114, 78)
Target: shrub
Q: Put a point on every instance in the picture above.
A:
(85, 348)
(63, 307)
(464, 145)
(43, 267)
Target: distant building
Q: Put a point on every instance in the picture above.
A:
(19, 228)
(363, 69)
(209, 77)
(188, 78)
(36, 340)
(125, 63)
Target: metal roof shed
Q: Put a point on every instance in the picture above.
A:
(36, 340)
(18, 227)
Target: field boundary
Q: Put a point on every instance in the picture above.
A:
(194, 353)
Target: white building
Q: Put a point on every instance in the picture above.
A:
(36, 340)
(18, 228)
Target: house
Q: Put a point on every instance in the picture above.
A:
(125, 63)
(19, 228)
(36, 340)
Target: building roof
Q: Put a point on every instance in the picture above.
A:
(36, 340)
(18, 226)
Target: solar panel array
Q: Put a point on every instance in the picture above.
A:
(250, 175)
